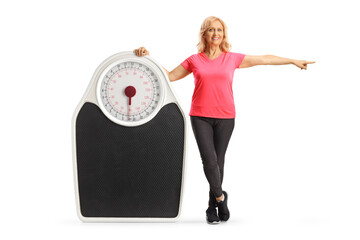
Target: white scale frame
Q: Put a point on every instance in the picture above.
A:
(92, 95)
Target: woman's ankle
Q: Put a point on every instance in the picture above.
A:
(221, 198)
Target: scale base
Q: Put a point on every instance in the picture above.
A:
(129, 172)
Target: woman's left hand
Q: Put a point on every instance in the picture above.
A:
(302, 64)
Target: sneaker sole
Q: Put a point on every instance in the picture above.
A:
(213, 223)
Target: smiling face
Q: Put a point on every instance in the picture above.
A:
(215, 34)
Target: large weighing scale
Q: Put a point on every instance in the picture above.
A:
(129, 144)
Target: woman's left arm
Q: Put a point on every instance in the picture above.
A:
(250, 61)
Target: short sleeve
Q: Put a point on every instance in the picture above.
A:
(188, 63)
(238, 58)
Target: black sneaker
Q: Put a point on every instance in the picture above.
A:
(212, 216)
(224, 213)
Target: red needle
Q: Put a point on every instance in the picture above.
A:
(130, 91)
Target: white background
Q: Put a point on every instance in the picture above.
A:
(292, 166)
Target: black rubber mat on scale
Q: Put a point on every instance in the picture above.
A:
(129, 171)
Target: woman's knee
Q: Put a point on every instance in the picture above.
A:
(209, 162)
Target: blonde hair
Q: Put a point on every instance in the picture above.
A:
(224, 46)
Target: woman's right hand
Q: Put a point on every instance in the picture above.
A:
(141, 51)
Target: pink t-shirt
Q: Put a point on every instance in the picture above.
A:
(213, 95)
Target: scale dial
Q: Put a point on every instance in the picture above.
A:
(130, 91)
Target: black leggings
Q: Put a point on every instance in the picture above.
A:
(212, 136)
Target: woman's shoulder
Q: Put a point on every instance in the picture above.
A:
(234, 53)
(235, 56)
(193, 57)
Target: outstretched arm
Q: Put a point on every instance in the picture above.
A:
(250, 61)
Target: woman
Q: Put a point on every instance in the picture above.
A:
(212, 111)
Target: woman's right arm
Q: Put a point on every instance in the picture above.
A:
(176, 74)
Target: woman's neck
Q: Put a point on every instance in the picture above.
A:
(213, 51)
